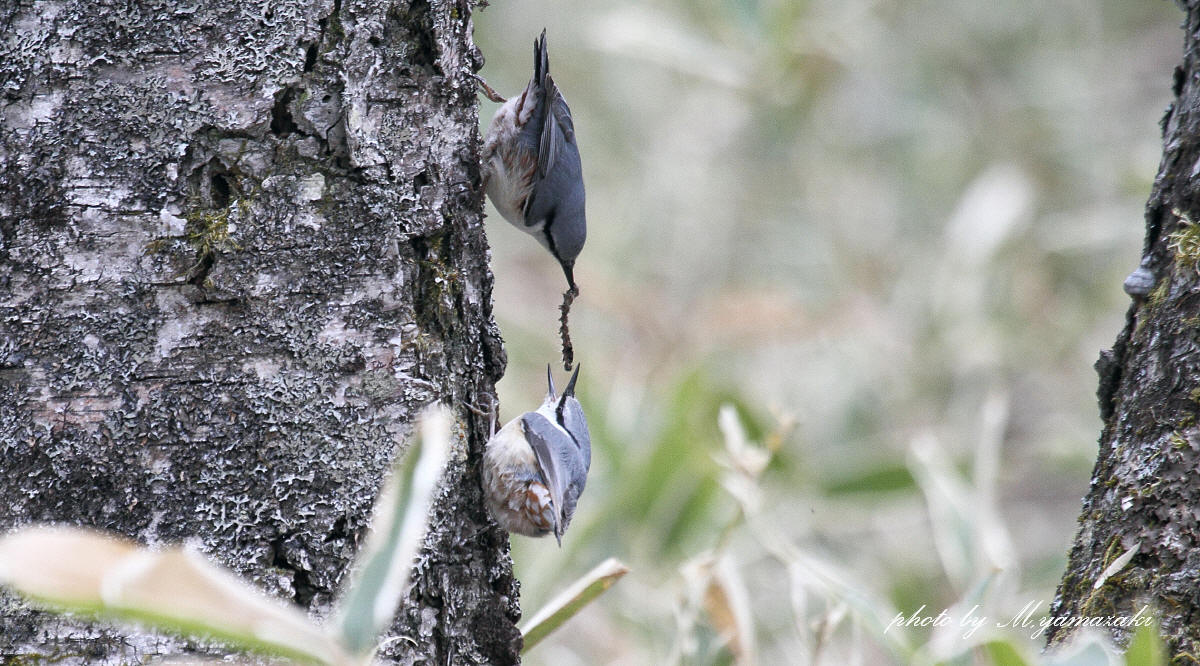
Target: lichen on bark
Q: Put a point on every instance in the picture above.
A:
(1144, 487)
(241, 247)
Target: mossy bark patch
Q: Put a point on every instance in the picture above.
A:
(216, 320)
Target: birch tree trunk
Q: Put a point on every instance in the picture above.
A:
(1143, 507)
(241, 247)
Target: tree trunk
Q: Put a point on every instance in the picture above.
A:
(241, 246)
(1144, 492)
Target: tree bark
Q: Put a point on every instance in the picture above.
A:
(241, 246)
(1145, 490)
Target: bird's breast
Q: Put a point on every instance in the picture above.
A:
(509, 165)
(516, 495)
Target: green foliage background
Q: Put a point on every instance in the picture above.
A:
(904, 226)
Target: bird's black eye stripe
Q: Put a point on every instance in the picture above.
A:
(558, 416)
(549, 236)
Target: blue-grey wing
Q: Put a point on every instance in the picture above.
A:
(558, 130)
(558, 458)
(576, 423)
(543, 438)
(551, 132)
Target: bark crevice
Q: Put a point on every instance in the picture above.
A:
(219, 315)
(1143, 485)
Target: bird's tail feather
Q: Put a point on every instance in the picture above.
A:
(541, 59)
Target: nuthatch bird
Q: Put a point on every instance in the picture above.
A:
(531, 168)
(535, 467)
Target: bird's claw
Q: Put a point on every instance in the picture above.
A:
(488, 91)
(489, 411)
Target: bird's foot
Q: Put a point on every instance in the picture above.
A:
(490, 411)
(488, 91)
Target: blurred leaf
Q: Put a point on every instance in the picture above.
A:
(401, 515)
(742, 461)
(192, 661)
(688, 515)
(889, 477)
(1087, 648)
(674, 488)
(564, 606)
(1006, 653)
(659, 39)
(727, 603)
(176, 590)
(971, 539)
(947, 643)
(840, 587)
(744, 457)
(1146, 648)
(996, 205)
(61, 564)
(952, 512)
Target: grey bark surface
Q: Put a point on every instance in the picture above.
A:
(241, 246)
(1145, 490)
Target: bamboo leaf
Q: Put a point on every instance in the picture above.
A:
(176, 589)
(1147, 647)
(564, 606)
(716, 585)
(1006, 652)
(748, 459)
(401, 515)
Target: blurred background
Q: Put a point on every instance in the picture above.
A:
(891, 236)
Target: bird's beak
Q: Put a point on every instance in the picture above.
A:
(570, 390)
(550, 382)
(569, 270)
